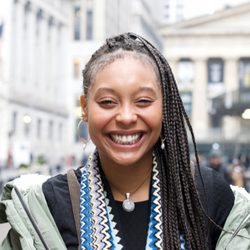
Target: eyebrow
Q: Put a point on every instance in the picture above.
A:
(105, 89)
(148, 89)
(140, 88)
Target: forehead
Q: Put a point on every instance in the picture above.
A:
(109, 58)
(127, 71)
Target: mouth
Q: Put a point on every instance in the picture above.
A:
(126, 139)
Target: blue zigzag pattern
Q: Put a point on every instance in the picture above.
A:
(85, 212)
(183, 243)
(98, 230)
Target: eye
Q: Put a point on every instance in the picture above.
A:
(106, 102)
(144, 102)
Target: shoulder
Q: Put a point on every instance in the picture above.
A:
(219, 193)
(215, 185)
(56, 189)
(59, 182)
(25, 184)
(220, 200)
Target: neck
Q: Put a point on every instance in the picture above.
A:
(125, 178)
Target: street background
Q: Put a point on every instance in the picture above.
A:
(45, 44)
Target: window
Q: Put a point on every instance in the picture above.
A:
(185, 74)
(89, 20)
(26, 11)
(60, 128)
(50, 24)
(216, 121)
(215, 70)
(50, 134)
(215, 67)
(39, 15)
(89, 24)
(77, 23)
(26, 128)
(244, 73)
(13, 123)
(38, 131)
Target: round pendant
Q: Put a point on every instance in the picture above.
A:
(128, 205)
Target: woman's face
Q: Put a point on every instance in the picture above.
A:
(124, 111)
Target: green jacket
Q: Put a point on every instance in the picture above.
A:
(239, 211)
(23, 235)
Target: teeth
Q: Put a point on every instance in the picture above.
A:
(130, 139)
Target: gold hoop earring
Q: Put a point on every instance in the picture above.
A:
(84, 142)
(162, 143)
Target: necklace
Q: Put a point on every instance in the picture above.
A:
(128, 205)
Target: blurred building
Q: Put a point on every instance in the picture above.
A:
(227, 4)
(173, 11)
(33, 82)
(210, 58)
(92, 21)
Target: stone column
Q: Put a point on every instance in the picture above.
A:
(53, 58)
(42, 73)
(49, 59)
(18, 43)
(199, 116)
(231, 80)
(5, 123)
(30, 45)
(62, 62)
(230, 124)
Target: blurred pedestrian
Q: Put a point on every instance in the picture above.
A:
(235, 171)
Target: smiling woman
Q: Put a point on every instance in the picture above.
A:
(139, 190)
(124, 105)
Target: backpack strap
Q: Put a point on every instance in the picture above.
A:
(74, 193)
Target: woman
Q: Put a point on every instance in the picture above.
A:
(138, 189)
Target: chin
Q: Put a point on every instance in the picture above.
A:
(126, 162)
(127, 159)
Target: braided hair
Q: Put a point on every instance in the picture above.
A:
(181, 206)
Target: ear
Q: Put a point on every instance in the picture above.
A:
(84, 108)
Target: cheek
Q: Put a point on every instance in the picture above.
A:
(153, 118)
(97, 122)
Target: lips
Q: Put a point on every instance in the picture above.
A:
(125, 139)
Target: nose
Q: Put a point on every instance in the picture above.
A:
(126, 115)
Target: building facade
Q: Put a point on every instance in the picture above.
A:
(210, 58)
(34, 82)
